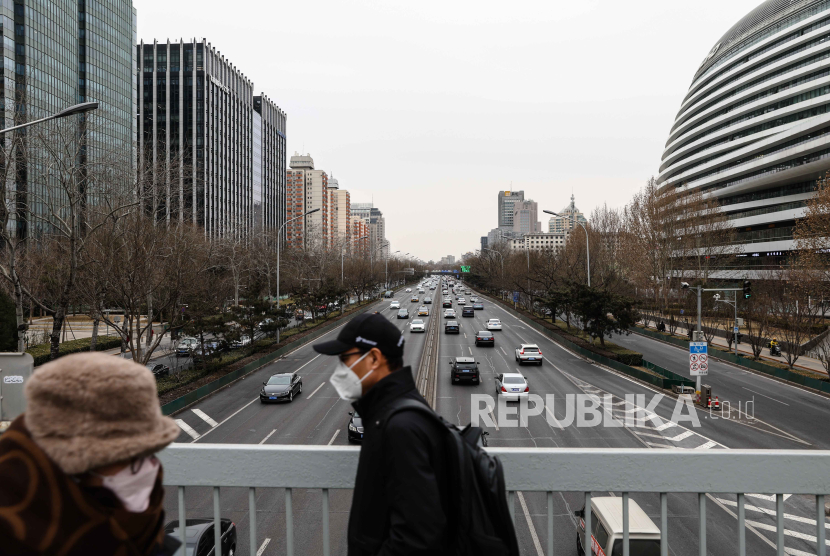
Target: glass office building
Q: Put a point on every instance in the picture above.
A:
(60, 53)
(753, 130)
(198, 152)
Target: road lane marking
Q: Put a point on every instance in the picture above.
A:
(471, 350)
(315, 391)
(710, 444)
(555, 420)
(502, 350)
(226, 419)
(267, 437)
(788, 532)
(262, 547)
(767, 397)
(187, 428)
(333, 437)
(306, 363)
(772, 513)
(495, 423)
(530, 526)
(204, 417)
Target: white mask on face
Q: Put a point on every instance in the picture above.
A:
(134, 488)
(346, 381)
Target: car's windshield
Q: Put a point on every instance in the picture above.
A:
(279, 380)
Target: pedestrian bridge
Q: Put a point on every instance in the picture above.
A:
(771, 473)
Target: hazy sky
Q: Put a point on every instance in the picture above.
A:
(431, 107)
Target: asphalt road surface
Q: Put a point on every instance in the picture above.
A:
(318, 416)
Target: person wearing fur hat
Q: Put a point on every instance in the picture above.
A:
(78, 474)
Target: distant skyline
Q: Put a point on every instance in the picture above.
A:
(429, 109)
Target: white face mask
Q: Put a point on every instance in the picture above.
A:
(346, 381)
(133, 488)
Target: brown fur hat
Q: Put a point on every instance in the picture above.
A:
(90, 409)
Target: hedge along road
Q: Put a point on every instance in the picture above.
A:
(234, 415)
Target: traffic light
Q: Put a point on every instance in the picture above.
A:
(747, 289)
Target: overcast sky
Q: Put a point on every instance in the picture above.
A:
(429, 108)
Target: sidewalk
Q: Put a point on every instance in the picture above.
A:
(803, 363)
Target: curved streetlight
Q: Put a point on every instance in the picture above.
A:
(587, 244)
(71, 111)
(279, 232)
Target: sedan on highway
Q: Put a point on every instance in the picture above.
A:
(395, 305)
(446, 303)
(428, 301)
(494, 324)
(485, 338)
(414, 299)
(468, 312)
(452, 327)
(158, 369)
(449, 313)
(199, 536)
(355, 427)
(464, 368)
(478, 306)
(462, 301)
(512, 387)
(474, 299)
(417, 325)
(408, 290)
(529, 353)
(423, 311)
(403, 314)
(281, 387)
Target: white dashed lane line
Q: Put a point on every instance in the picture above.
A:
(187, 428)
(316, 390)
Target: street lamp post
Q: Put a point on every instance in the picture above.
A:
(72, 110)
(587, 244)
(279, 232)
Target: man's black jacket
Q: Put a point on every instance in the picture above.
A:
(400, 501)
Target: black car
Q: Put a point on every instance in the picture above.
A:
(446, 303)
(451, 327)
(478, 306)
(468, 312)
(464, 368)
(427, 301)
(158, 369)
(403, 314)
(485, 338)
(355, 427)
(281, 387)
(200, 537)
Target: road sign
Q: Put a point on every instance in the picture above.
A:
(735, 330)
(515, 297)
(698, 358)
(681, 311)
(465, 269)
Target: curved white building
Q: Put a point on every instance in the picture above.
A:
(754, 128)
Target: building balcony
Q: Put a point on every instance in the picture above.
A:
(718, 480)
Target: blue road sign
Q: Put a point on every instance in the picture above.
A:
(515, 297)
(698, 358)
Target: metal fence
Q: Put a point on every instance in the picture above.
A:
(549, 470)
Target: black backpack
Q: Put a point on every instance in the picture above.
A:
(479, 513)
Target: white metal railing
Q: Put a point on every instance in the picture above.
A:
(586, 470)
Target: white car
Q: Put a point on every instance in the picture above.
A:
(408, 290)
(395, 305)
(462, 301)
(494, 324)
(512, 387)
(417, 325)
(529, 353)
(449, 313)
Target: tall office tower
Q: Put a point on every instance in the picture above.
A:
(57, 54)
(307, 189)
(525, 217)
(377, 229)
(506, 201)
(340, 215)
(569, 218)
(269, 164)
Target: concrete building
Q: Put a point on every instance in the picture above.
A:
(753, 130)
(307, 189)
(377, 228)
(360, 243)
(526, 218)
(505, 205)
(539, 242)
(208, 149)
(340, 214)
(55, 55)
(569, 219)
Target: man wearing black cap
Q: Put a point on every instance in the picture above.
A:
(400, 502)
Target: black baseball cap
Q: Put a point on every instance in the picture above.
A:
(366, 331)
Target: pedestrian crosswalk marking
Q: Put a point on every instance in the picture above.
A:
(202, 415)
(710, 444)
(187, 428)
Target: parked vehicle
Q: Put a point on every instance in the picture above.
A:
(158, 369)
(186, 346)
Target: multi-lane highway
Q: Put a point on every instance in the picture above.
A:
(318, 416)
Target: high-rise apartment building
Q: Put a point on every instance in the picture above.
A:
(57, 54)
(525, 218)
(340, 214)
(307, 189)
(377, 228)
(506, 201)
(360, 239)
(569, 218)
(210, 151)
